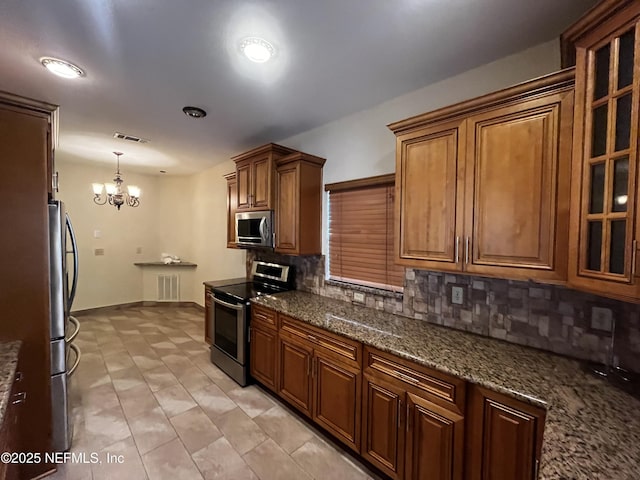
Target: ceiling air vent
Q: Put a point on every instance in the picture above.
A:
(131, 138)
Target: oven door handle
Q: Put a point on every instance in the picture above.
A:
(227, 304)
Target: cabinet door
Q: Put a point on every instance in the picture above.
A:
(261, 180)
(232, 207)
(295, 374)
(243, 179)
(435, 441)
(264, 344)
(605, 221)
(429, 197)
(383, 426)
(517, 194)
(337, 399)
(505, 437)
(207, 317)
(287, 184)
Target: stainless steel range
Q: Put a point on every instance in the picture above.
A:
(230, 315)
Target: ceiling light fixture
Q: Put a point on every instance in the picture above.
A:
(194, 112)
(116, 196)
(257, 49)
(62, 68)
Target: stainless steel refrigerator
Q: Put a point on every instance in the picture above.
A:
(65, 356)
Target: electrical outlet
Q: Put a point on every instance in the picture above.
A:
(602, 319)
(97, 234)
(457, 295)
(358, 297)
(98, 252)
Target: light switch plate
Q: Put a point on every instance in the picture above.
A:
(97, 234)
(602, 319)
(457, 295)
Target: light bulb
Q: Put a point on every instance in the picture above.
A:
(97, 188)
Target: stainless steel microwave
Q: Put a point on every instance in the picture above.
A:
(255, 228)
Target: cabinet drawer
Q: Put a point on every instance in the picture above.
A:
(345, 349)
(438, 387)
(264, 317)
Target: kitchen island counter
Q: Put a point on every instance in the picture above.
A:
(592, 430)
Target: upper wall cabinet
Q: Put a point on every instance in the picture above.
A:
(255, 177)
(605, 220)
(232, 207)
(298, 212)
(483, 186)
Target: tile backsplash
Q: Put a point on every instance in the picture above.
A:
(547, 317)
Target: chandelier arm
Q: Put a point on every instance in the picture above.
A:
(99, 199)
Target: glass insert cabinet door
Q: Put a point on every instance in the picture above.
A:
(609, 159)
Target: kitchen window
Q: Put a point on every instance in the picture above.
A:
(361, 232)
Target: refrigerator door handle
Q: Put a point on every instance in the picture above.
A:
(74, 245)
(77, 362)
(76, 323)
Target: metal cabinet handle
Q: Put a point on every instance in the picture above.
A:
(19, 397)
(399, 413)
(536, 469)
(408, 420)
(19, 377)
(457, 247)
(466, 251)
(55, 183)
(634, 246)
(312, 338)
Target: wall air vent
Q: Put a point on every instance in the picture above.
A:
(168, 288)
(131, 138)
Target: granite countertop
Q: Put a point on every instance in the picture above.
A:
(8, 365)
(592, 430)
(162, 264)
(224, 283)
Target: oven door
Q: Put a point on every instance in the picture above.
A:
(229, 328)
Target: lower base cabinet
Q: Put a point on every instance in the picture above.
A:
(337, 398)
(505, 437)
(435, 441)
(295, 374)
(10, 429)
(383, 431)
(407, 420)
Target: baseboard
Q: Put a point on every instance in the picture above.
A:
(123, 306)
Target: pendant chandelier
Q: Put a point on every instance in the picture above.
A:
(115, 194)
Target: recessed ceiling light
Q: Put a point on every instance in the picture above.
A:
(194, 112)
(62, 68)
(257, 49)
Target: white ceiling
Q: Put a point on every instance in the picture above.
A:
(146, 59)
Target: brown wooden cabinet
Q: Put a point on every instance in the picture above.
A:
(298, 212)
(605, 218)
(383, 420)
(26, 131)
(264, 347)
(255, 177)
(232, 208)
(413, 419)
(207, 316)
(504, 437)
(483, 186)
(295, 374)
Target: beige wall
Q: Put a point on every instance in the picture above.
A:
(186, 216)
(360, 145)
(112, 278)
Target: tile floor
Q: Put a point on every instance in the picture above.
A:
(146, 394)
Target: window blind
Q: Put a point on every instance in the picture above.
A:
(361, 233)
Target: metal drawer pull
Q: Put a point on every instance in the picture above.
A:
(457, 249)
(20, 397)
(312, 338)
(407, 378)
(19, 377)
